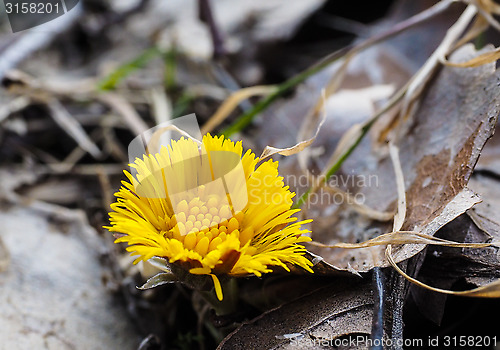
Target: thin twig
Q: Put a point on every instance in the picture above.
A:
(206, 16)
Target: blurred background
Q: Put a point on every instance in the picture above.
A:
(78, 88)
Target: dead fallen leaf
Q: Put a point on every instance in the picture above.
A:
(341, 308)
(437, 157)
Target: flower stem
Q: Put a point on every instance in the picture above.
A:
(229, 304)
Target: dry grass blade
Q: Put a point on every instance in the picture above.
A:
(485, 58)
(232, 102)
(490, 290)
(306, 129)
(478, 27)
(124, 108)
(485, 9)
(347, 144)
(419, 80)
(489, 5)
(320, 182)
(162, 107)
(346, 141)
(334, 83)
(154, 144)
(400, 216)
(4, 256)
(357, 131)
(72, 127)
(270, 151)
(404, 237)
(299, 147)
(14, 106)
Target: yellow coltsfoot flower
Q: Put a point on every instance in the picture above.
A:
(210, 211)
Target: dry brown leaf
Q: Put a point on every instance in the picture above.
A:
(344, 307)
(437, 157)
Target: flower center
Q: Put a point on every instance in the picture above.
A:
(203, 225)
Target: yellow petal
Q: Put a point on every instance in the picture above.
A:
(218, 287)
